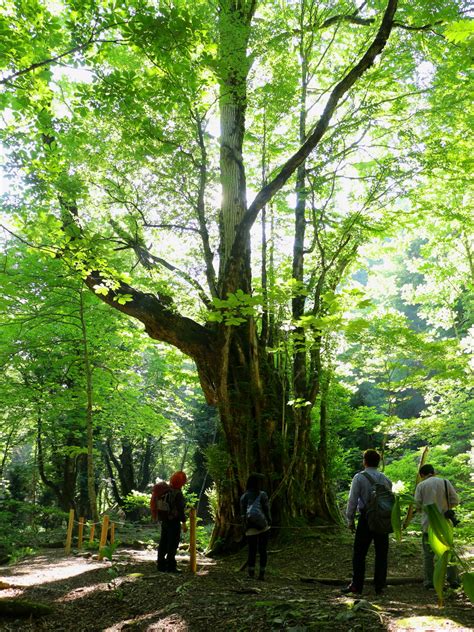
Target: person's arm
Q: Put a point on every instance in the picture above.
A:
(352, 502)
(180, 509)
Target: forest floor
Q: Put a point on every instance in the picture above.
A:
(85, 596)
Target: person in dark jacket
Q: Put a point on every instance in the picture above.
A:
(171, 526)
(257, 536)
(359, 496)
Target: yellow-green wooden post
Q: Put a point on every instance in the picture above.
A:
(70, 527)
(103, 535)
(80, 533)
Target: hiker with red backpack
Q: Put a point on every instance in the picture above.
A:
(167, 506)
(372, 498)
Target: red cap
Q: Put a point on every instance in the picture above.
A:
(178, 479)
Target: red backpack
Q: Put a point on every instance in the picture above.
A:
(160, 503)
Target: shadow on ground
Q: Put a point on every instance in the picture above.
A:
(87, 595)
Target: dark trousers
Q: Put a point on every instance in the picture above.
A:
(258, 542)
(363, 538)
(169, 541)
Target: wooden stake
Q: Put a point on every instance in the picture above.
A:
(70, 527)
(112, 532)
(103, 536)
(192, 540)
(80, 533)
(91, 534)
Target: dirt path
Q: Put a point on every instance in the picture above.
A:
(87, 595)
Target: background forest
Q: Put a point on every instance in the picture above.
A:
(400, 382)
(236, 236)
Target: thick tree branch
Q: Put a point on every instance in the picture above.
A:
(353, 19)
(162, 323)
(160, 320)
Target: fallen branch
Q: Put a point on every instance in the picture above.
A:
(331, 581)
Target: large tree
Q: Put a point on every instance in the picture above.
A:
(120, 156)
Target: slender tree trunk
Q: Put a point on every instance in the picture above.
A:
(6, 451)
(89, 413)
(326, 498)
(64, 490)
(108, 458)
(83, 504)
(144, 476)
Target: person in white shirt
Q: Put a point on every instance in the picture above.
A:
(438, 491)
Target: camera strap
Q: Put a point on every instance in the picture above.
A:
(446, 492)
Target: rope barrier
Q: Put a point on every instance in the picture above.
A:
(231, 524)
(327, 526)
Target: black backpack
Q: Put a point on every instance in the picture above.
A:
(255, 518)
(379, 507)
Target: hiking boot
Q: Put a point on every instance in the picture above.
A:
(251, 573)
(261, 575)
(176, 571)
(351, 590)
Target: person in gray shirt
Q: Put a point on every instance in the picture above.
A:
(359, 496)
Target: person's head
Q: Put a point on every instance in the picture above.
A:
(178, 479)
(427, 470)
(371, 458)
(255, 482)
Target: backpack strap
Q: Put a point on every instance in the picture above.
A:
(369, 478)
(373, 481)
